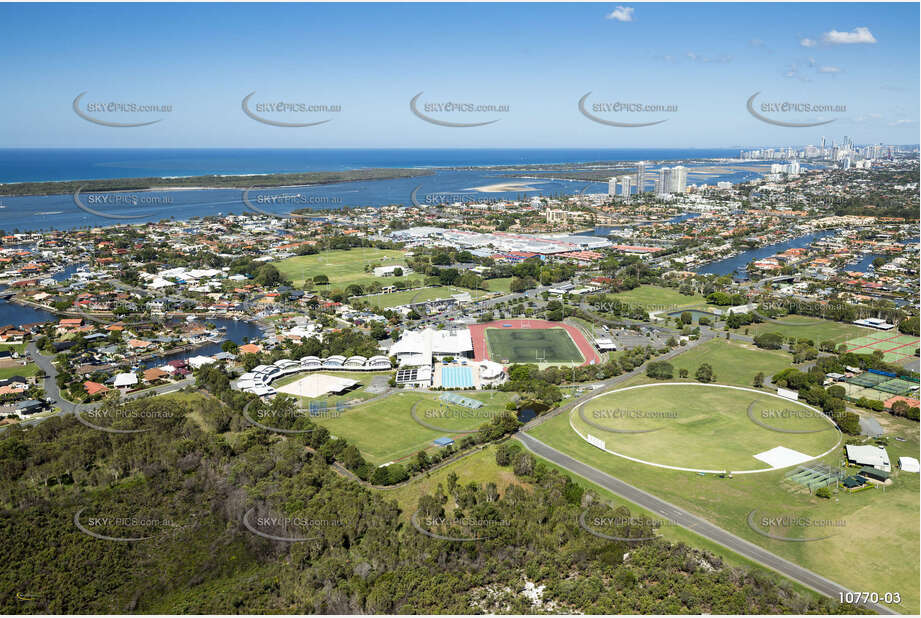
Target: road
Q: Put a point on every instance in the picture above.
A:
(53, 393)
(692, 522)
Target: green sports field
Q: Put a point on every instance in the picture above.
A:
(344, 267)
(403, 424)
(803, 327)
(405, 297)
(889, 550)
(653, 296)
(701, 427)
(895, 347)
(526, 345)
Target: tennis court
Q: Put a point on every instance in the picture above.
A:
(895, 347)
(878, 385)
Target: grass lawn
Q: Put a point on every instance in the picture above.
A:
(654, 296)
(702, 427)
(881, 531)
(526, 345)
(385, 430)
(733, 362)
(480, 467)
(817, 329)
(343, 267)
(27, 371)
(405, 297)
(13, 347)
(499, 285)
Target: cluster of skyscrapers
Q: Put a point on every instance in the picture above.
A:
(627, 182)
(826, 149)
(670, 180)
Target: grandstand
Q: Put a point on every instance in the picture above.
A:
(258, 380)
(466, 402)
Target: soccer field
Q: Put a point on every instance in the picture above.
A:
(705, 427)
(525, 345)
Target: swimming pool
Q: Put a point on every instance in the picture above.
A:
(456, 377)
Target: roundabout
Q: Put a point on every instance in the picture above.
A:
(704, 428)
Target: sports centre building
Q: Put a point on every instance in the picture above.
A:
(442, 358)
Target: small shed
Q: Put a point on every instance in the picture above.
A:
(444, 441)
(872, 473)
(853, 482)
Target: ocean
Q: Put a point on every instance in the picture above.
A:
(61, 212)
(35, 165)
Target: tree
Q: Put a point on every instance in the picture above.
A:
(910, 326)
(769, 341)
(758, 382)
(660, 370)
(321, 280)
(705, 373)
(523, 464)
(682, 373)
(837, 391)
(686, 317)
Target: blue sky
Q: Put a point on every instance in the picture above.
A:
(538, 59)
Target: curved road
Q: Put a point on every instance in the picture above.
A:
(692, 522)
(53, 393)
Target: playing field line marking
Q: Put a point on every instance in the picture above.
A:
(890, 339)
(667, 467)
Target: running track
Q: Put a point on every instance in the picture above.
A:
(478, 334)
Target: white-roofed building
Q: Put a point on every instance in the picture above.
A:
(909, 464)
(868, 455)
(605, 344)
(124, 380)
(491, 372)
(200, 361)
(419, 348)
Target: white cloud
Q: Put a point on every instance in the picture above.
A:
(857, 35)
(806, 42)
(829, 69)
(708, 59)
(621, 13)
(898, 123)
